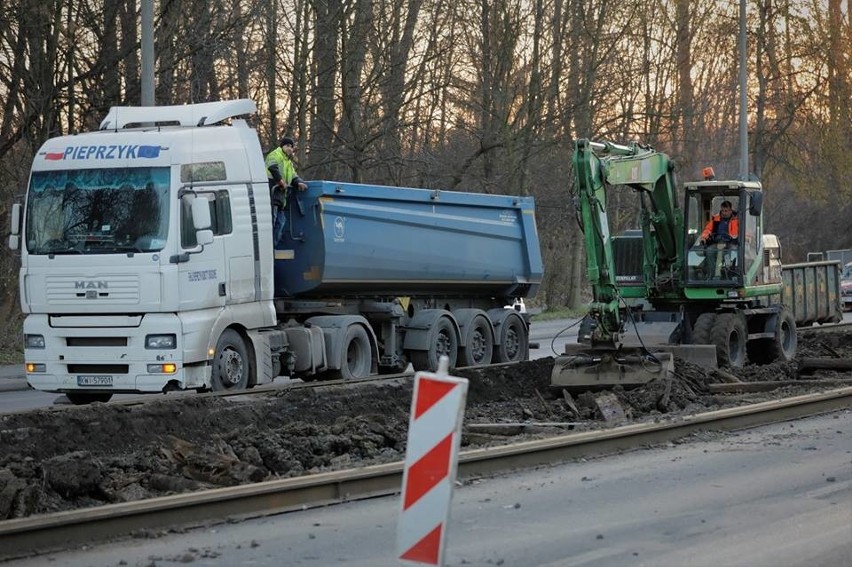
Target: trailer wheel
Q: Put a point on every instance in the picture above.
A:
(443, 341)
(512, 345)
(231, 363)
(83, 398)
(702, 331)
(478, 347)
(357, 358)
(729, 336)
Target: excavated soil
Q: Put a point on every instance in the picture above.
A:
(74, 457)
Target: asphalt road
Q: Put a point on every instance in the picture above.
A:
(778, 495)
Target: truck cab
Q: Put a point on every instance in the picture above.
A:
(137, 253)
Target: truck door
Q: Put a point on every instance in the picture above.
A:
(203, 271)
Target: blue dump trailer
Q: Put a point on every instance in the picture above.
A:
(351, 240)
(424, 273)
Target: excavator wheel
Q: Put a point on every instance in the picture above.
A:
(729, 335)
(781, 347)
(785, 342)
(702, 331)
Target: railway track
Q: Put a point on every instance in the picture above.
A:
(64, 530)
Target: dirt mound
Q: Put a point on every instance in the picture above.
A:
(74, 457)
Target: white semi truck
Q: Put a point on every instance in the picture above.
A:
(147, 265)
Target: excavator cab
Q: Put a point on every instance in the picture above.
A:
(723, 260)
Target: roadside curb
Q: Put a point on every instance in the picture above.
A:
(13, 384)
(12, 378)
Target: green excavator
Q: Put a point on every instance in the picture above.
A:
(663, 293)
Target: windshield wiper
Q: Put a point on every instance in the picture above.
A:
(61, 251)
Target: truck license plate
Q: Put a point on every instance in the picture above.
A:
(94, 380)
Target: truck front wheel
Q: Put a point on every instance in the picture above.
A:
(231, 363)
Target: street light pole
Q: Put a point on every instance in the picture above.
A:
(147, 52)
(743, 96)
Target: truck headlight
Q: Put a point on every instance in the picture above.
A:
(160, 341)
(33, 341)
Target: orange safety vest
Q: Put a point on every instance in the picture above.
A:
(733, 226)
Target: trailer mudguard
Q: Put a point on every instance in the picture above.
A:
(464, 317)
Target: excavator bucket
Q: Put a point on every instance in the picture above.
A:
(584, 367)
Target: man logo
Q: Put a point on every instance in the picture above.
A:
(99, 284)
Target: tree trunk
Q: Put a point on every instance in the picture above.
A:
(328, 13)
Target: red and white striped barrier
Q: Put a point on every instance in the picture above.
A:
(431, 459)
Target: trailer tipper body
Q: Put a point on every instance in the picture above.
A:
(147, 265)
(348, 239)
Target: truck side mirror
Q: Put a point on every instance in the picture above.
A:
(201, 213)
(755, 206)
(204, 236)
(15, 227)
(202, 221)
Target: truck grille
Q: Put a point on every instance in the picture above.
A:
(62, 290)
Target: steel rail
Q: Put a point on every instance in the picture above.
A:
(64, 530)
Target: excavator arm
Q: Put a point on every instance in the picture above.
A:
(599, 167)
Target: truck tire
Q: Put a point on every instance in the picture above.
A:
(230, 364)
(443, 341)
(729, 336)
(477, 347)
(512, 340)
(356, 352)
(83, 398)
(702, 331)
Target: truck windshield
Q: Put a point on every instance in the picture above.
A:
(98, 211)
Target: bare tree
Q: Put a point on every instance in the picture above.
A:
(328, 14)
